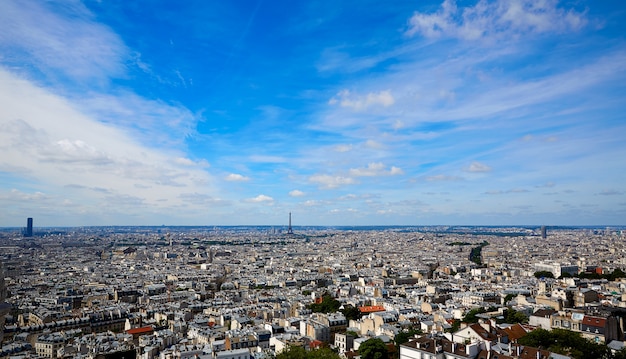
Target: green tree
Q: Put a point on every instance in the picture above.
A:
(566, 342)
(351, 312)
(296, 352)
(404, 336)
(373, 349)
(456, 324)
(544, 274)
(620, 354)
(617, 273)
(328, 305)
(512, 316)
(471, 317)
(509, 297)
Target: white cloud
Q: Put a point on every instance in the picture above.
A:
(16, 195)
(478, 167)
(313, 203)
(151, 121)
(610, 192)
(349, 196)
(396, 171)
(375, 145)
(261, 198)
(443, 178)
(375, 169)
(75, 151)
(183, 161)
(343, 148)
(495, 19)
(513, 190)
(328, 182)
(45, 137)
(398, 124)
(296, 193)
(235, 177)
(358, 103)
(72, 44)
(517, 190)
(202, 199)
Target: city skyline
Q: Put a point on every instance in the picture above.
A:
(415, 113)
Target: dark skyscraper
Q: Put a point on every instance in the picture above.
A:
(289, 229)
(544, 232)
(28, 231)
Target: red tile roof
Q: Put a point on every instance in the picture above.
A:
(142, 330)
(594, 321)
(515, 332)
(372, 309)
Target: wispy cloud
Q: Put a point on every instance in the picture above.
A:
(478, 167)
(47, 134)
(546, 185)
(358, 103)
(514, 190)
(62, 39)
(375, 169)
(373, 144)
(151, 121)
(296, 193)
(443, 178)
(496, 20)
(329, 182)
(202, 199)
(260, 199)
(235, 177)
(343, 148)
(610, 192)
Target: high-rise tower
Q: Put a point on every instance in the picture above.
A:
(289, 229)
(544, 232)
(28, 231)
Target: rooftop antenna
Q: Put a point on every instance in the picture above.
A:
(289, 230)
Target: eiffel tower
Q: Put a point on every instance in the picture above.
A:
(289, 230)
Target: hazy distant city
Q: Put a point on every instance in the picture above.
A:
(251, 291)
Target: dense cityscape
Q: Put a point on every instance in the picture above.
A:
(258, 292)
(250, 179)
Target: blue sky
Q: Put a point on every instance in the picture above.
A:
(341, 112)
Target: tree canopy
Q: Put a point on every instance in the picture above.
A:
(373, 348)
(351, 312)
(544, 274)
(471, 317)
(512, 316)
(404, 336)
(328, 305)
(565, 342)
(296, 352)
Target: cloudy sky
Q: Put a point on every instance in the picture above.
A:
(419, 112)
